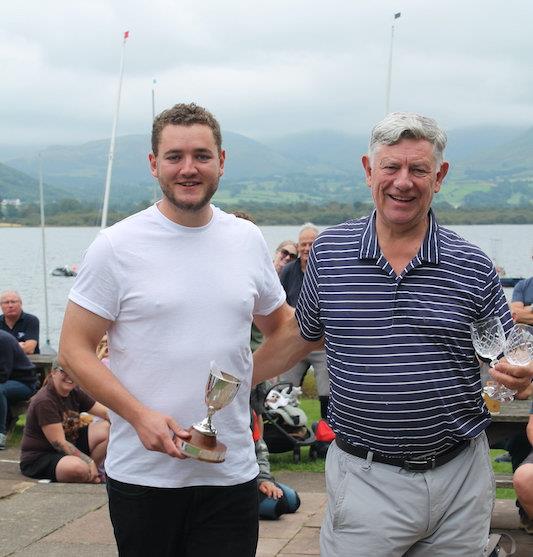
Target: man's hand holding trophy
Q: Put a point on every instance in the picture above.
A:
(220, 390)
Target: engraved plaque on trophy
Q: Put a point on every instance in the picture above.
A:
(220, 390)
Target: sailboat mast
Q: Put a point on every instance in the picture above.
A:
(43, 243)
(113, 136)
(155, 188)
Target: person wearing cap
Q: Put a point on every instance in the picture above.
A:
(17, 380)
(59, 442)
(286, 252)
(393, 295)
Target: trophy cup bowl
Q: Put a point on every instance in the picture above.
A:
(220, 390)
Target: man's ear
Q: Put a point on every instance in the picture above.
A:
(368, 170)
(441, 174)
(153, 164)
(222, 160)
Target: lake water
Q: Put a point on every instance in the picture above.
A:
(22, 269)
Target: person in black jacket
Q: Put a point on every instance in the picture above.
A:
(17, 379)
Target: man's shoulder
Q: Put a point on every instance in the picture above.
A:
(453, 242)
(524, 283)
(351, 230)
(130, 222)
(29, 317)
(233, 224)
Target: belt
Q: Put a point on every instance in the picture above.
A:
(414, 464)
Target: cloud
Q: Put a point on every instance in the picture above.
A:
(264, 68)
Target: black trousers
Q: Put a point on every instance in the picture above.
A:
(185, 522)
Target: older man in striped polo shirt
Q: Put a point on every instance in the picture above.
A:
(393, 295)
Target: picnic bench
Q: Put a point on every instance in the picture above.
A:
(511, 420)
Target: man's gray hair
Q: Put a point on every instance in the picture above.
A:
(408, 125)
(9, 292)
(308, 226)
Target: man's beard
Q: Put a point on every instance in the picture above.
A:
(185, 205)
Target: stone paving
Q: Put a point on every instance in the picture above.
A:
(62, 520)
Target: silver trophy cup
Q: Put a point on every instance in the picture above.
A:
(220, 390)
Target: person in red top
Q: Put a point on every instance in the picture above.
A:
(57, 443)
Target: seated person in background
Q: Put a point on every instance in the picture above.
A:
(23, 326)
(17, 380)
(522, 301)
(523, 483)
(58, 444)
(286, 252)
(275, 498)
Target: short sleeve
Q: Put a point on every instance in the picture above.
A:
(85, 401)
(519, 291)
(46, 413)
(271, 293)
(97, 286)
(308, 307)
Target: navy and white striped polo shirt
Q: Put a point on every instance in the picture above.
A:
(404, 377)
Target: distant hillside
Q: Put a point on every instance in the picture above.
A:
(18, 185)
(490, 166)
(324, 151)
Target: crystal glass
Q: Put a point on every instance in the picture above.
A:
(488, 338)
(519, 346)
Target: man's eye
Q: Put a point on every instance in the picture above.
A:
(420, 172)
(203, 157)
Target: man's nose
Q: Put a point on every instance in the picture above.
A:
(188, 166)
(403, 179)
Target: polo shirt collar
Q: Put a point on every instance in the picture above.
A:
(429, 250)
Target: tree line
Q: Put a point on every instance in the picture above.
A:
(72, 212)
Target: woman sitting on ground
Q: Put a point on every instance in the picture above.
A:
(57, 443)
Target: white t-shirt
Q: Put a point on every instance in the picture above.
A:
(179, 298)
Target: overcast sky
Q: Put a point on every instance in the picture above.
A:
(264, 68)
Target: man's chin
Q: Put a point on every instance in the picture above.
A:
(190, 206)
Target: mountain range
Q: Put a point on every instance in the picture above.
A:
(490, 166)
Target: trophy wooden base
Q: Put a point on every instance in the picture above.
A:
(204, 447)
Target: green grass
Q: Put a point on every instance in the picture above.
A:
(16, 435)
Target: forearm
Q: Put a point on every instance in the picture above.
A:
(66, 448)
(100, 411)
(282, 349)
(28, 346)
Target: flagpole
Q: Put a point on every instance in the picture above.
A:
(389, 73)
(47, 349)
(154, 195)
(113, 136)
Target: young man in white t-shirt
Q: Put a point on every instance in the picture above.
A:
(176, 286)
